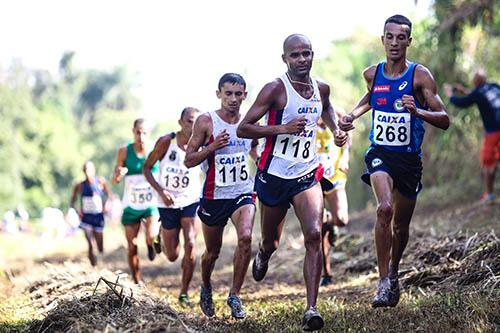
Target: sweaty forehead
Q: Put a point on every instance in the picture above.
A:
(396, 29)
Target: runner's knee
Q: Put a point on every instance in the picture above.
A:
(245, 242)
(211, 255)
(132, 250)
(385, 213)
(312, 238)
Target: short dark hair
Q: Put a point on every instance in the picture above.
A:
(138, 121)
(186, 110)
(399, 19)
(232, 78)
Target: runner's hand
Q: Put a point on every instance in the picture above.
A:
(448, 90)
(296, 125)
(340, 138)
(409, 104)
(220, 141)
(167, 198)
(344, 164)
(345, 123)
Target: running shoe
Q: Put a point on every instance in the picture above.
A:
(206, 302)
(234, 303)
(387, 293)
(312, 320)
(260, 265)
(184, 301)
(326, 280)
(487, 198)
(151, 253)
(157, 243)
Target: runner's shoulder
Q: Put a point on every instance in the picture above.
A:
(369, 72)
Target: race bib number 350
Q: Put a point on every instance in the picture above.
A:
(138, 193)
(391, 129)
(231, 169)
(294, 148)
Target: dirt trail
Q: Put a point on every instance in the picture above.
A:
(353, 264)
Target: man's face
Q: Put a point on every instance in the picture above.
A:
(299, 57)
(141, 133)
(396, 40)
(89, 169)
(231, 96)
(187, 121)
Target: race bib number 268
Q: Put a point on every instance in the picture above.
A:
(391, 129)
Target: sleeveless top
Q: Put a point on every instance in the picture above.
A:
(182, 182)
(292, 155)
(393, 127)
(227, 172)
(138, 193)
(91, 198)
(328, 152)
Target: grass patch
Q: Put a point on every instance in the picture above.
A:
(446, 312)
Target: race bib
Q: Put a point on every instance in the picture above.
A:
(327, 161)
(92, 205)
(391, 129)
(294, 148)
(176, 179)
(138, 193)
(231, 169)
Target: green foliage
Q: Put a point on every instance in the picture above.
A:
(52, 125)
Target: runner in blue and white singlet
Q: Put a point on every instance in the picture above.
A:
(92, 192)
(393, 127)
(402, 95)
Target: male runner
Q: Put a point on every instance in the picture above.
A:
(139, 199)
(487, 97)
(179, 191)
(227, 192)
(402, 95)
(335, 160)
(289, 170)
(91, 192)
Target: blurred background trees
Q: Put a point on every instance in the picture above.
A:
(51, 123)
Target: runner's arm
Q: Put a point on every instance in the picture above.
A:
(159, 151)
(329, 117)
(119, 170)
(363, 106)
(253, 152)
(464, 101)
(425, 83)
(249, 127)
(74, 195)
(195, 155)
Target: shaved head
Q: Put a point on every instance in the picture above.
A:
(479, 77)
(293, 40)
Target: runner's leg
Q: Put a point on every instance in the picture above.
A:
(242, 219)
(131, 232)
(382, 185)
(213, 244)
(308, 207)
(403, 211)
(189, 230)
